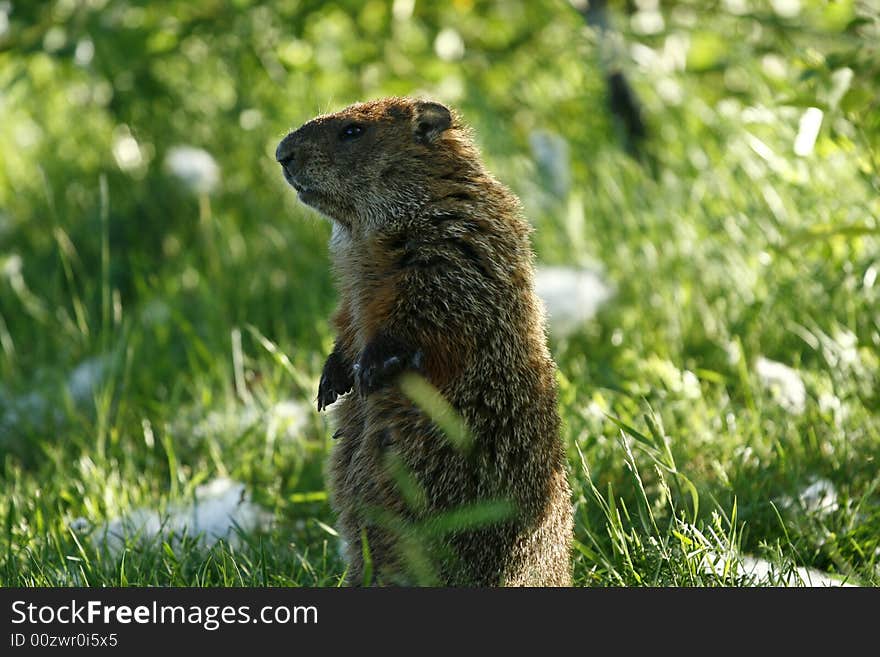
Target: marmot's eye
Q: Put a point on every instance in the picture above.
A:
(351, 131)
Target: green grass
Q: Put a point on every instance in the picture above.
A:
(202, 313)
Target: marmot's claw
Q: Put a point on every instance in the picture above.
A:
(326, 396)
(336, 380)
(381, 362)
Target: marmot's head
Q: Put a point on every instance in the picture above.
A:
(376, 160)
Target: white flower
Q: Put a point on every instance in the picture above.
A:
(195, 167)
(808, 130)
(819, 498)
(220, 507)
(448, 45)
(768, 573)
(765, 573)
(286, 419)
(126, 150)
(234, 420)
(571, 296)
(86, 377)
(786, 8)
(690, 385)
(784, 383)
(402, 10)
(85, 51)
(79, 525)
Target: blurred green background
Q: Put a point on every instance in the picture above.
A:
(164, 299)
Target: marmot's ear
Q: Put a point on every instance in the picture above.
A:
(430, 120)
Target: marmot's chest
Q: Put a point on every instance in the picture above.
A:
(368, 284)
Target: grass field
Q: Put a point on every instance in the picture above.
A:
(160, 331)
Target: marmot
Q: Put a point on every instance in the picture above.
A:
(434, 269)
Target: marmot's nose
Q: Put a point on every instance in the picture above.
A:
(285, 151)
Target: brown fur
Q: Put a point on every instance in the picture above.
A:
(434, 265)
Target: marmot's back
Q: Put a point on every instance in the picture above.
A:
(434, 269)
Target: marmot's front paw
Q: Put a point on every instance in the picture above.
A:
(381, 361)
(336, 380)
